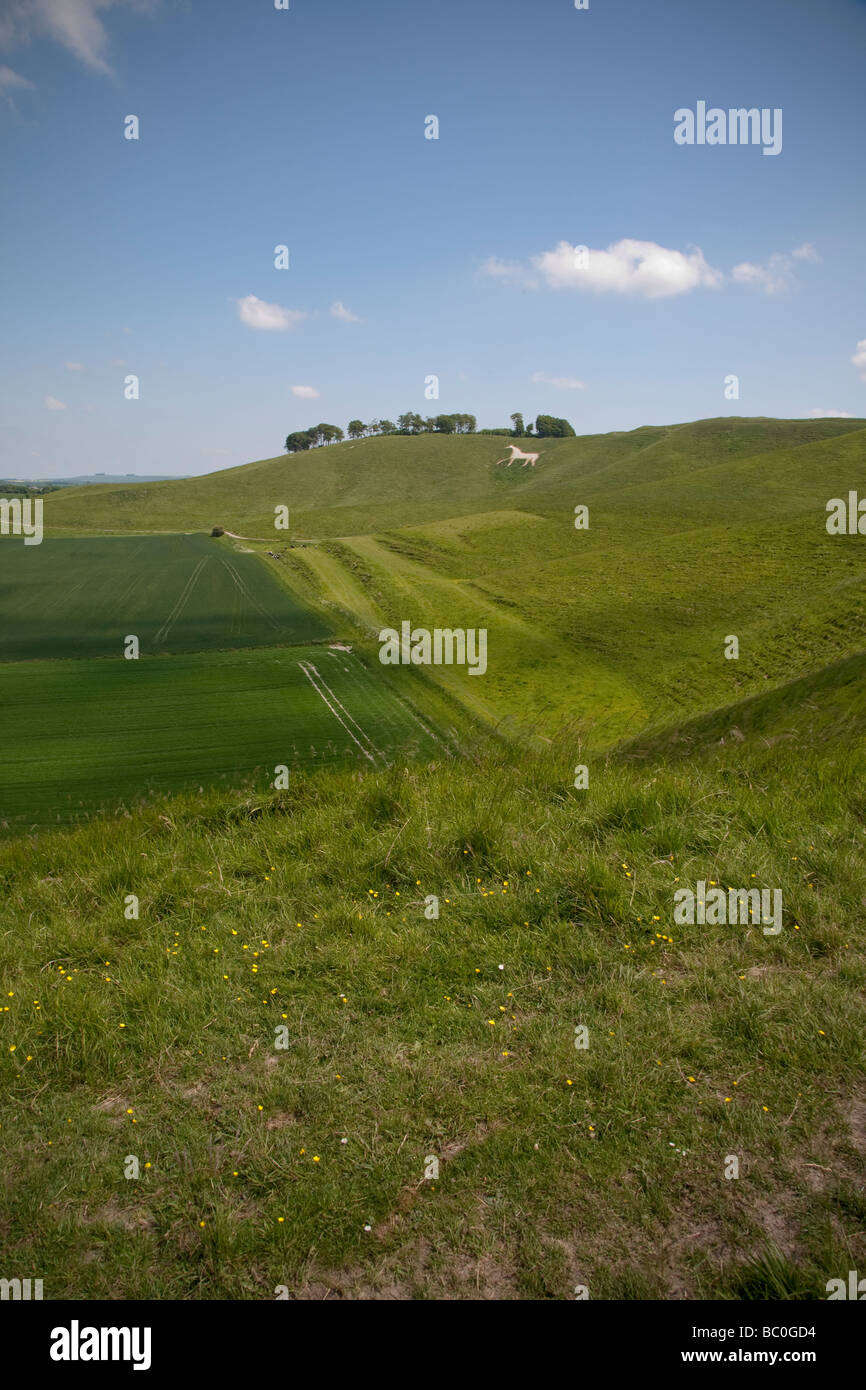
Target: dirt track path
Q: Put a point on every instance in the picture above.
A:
(263, 540)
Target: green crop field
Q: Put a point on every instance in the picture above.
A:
(113, 731)
(83, 596)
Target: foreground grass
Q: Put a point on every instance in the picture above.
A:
(412, 1037)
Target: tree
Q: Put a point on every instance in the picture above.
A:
(410, 423)
(550, 427)
(299, 440)
(517, 421)
(327, 434)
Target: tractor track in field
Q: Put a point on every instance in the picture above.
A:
(181, 602)
(317, 681)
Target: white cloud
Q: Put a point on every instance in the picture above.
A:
(559, 383)
(645, 269)
(627, 267)
(859, 358)
(52, 403)
(307, 393)
(256, 313)
(819, 414)
(76, 24)
(776, 275)
(74, 366)
(339, 311)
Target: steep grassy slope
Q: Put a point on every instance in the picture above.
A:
(828, 706)
(625, 623)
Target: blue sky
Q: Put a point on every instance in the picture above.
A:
(451, 257)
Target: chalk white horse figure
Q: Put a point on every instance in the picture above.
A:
(519, 454)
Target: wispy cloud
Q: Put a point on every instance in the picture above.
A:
(74, 366)
(776, 274)
(339, 311)
(256, 313)
(307, 393)
(52, 403)
(559, 383)
(859, 358)
(8, 78)
(12, 81)
(819, 414)
(502, 270)
(76, 24)
(510, 271)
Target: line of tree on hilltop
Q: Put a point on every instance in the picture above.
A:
(546, 427)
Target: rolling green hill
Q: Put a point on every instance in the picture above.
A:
(370, 485)
(411, 1031)
(697, 531)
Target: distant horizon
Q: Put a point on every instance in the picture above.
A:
(226, 468)
(111, 477)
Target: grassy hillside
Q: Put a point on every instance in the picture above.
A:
(335, 1050)
(369, 485)
(624, 624)
(410, 1038)
(696, 532)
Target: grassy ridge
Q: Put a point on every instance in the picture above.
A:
(370, 485)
